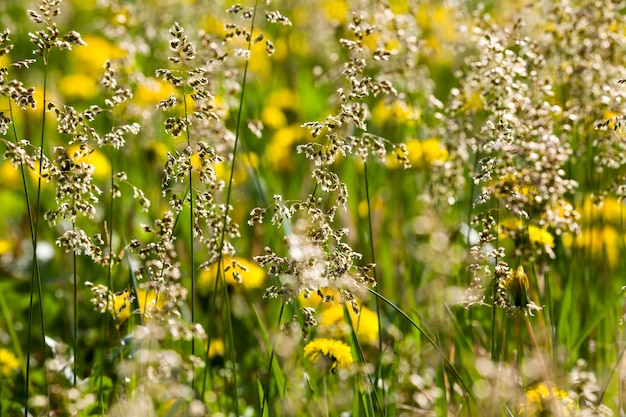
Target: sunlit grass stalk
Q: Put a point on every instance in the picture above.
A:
(265, 400)
(34, 223)
(373, 256)
(225, 219)
(446, 360)
(192, 268)
(356, 348)
(494, 308)
(75, 309)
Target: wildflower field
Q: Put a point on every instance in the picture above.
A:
(312, 208)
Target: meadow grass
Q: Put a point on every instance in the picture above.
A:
(330, 208)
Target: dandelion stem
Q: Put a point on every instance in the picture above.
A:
(533, 340)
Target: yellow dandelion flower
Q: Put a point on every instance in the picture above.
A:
(8, 363)
(6, 246)
(334, 353)
(421, 153)
(474, 102)
(539, 402)
(540, 236)
(236, 271)
(610, 210)
(610, 115)
(399, 6)
(100, 163)
(149, 303)
(602, 243)
(120, 306)
(211, 24)
(283, 98)
(414, 150)
(216, 348)
(433, 152)
(397, 112)
(152, 91)
(240, 176)
(314, 299)
(273, 117)
(336, 12)
(11, 177)
(515, 288)
(34, 175)
(78, 87)
(279, 151)
(90, 59)
(332, 321)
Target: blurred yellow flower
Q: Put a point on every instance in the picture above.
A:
(609, 210)
(8, 363)
(539, 402)
(602, 243)
(432, 151)
(259, 63)
(236, 271)
(421, 153)
(211, 24)
(11, 177)
(100, 163)
(337, 12)
(610, 115)
(315, 301)
(120, 307)
(34, 175)
(6, 246)
(474, 102)
(332, 322)
(283, 98)
(540, 236)
(279, 151)
(149, 303)
(90, 59)
(216, 348)
(397, 112)
(78, 87)
(152, 91)
(377, 206)
(439, 26)
(514, 289)
(334, 353)
(244, 163)
(273, 117)
(399, 6)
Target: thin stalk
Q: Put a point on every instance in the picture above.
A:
(269, 366)
(494, 308)
(191, 240)
(75, 308)
(533, 341)
(361, 359)
(325, 396)
(35, 274)
(373, 256)
(447, 363)
(227, 205)
(109, 236)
